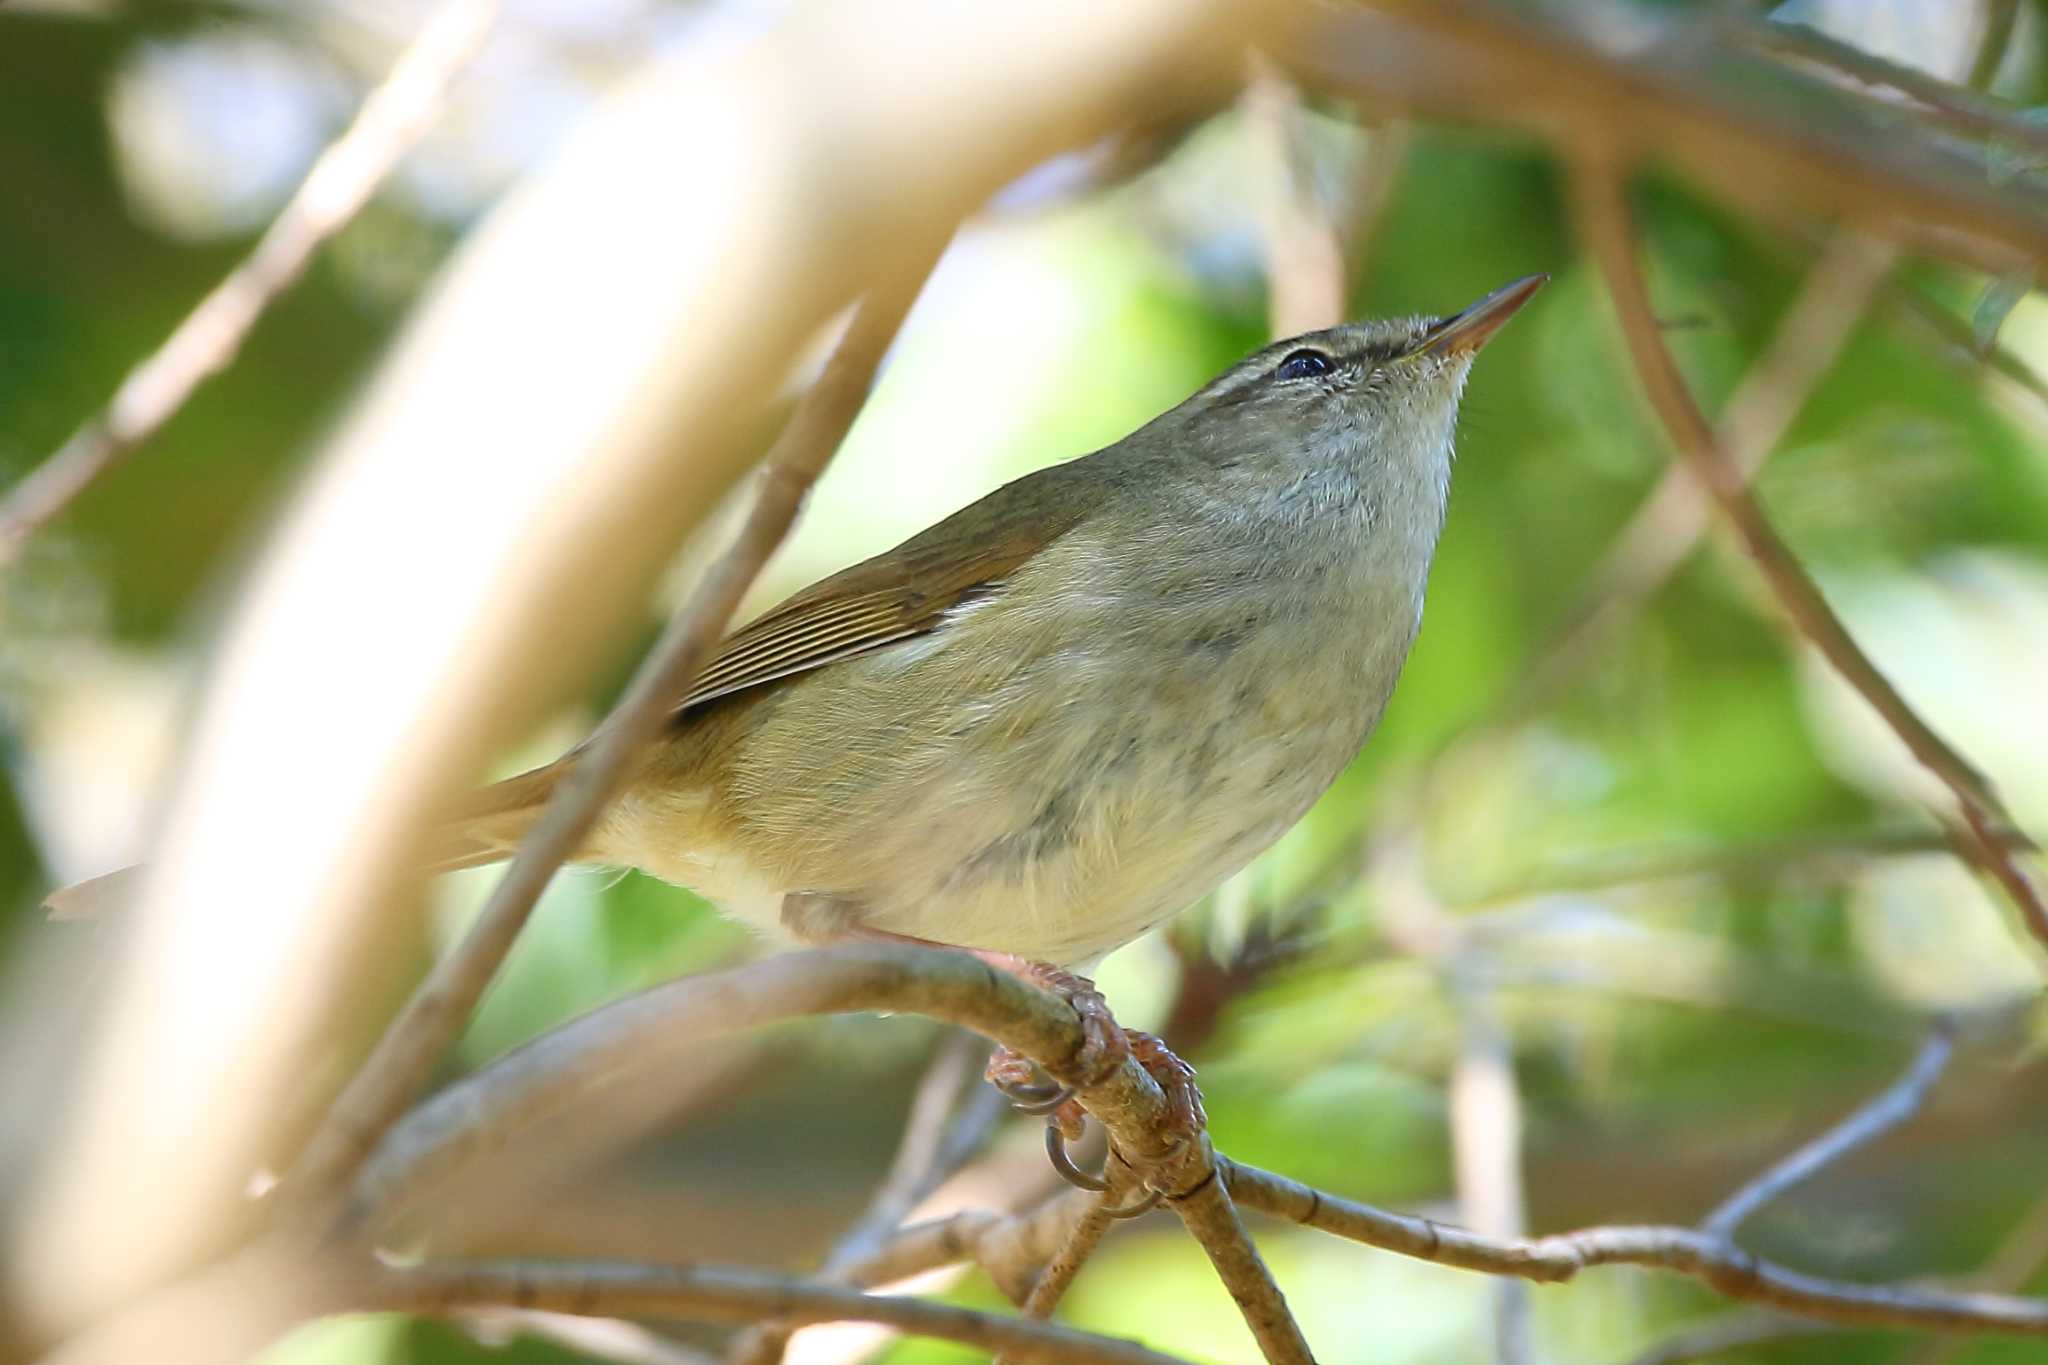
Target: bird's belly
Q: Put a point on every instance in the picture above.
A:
(1055, 815)
(1061, 831)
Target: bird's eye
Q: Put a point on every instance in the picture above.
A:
(1303, 365)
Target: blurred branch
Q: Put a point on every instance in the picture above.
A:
(1757, 132)
(1954, 337)
(581, 1058)
(586, 381)
(730, 1294)
(393, 118)
(1999, 18)
(929, 1151)
(1304, 255)
(1686, 1251)
(1773, 858)
(1082, 1237)
(1884, 1113)
(1605, 222)
(1486, 1151)
(612, 1339)
(619, 1043)
(417, 1038)
(1728, 1333)
(1938, 102)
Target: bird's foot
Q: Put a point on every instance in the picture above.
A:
(1105, 1045)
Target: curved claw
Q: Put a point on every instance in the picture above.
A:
(1039, 1100)
(1056, 1151)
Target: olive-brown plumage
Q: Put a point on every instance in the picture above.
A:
(1070, 709)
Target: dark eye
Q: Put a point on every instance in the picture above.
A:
(1303, 365)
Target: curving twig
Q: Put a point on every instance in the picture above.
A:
(1208, 1213)
(1605, 222)
(390, 123)
(617, 1044)
(729, 1294)
(929, 1152)
(1898, 1103)
(1685, 1251)
(417, 1038)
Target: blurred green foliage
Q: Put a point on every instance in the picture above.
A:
(1672, 1036)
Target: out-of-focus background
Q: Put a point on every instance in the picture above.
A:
(1660, 853)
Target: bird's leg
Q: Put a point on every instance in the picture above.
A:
(1104, 1042)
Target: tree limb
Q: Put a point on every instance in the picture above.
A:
(1605, 222)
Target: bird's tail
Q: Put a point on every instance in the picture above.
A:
(485, 828)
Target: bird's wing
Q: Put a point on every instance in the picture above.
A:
(904, 592)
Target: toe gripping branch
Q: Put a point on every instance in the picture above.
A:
(1106, 1044)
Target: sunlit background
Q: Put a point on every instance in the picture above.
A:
(1694, 979)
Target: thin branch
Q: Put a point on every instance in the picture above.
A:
(1728, 1333)
(1569, 74)
(1208, 1213)
(1898, 1103)
(928, 1153)
(625, 1041)
(1081, 1240)
(1486, 1147)
(733, 1295)
(393, 118)
(1958, 343)
(1304, 253)
(632, 1037)
(1801, 855)
(1999, 18)
(1685, 1251)
(417, 1038)
(1939, 102)
(1605, 221)
(613, 1339)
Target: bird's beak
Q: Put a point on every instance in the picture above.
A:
(1464, 333)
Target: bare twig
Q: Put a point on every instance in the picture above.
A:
(1802, 855)
(397, 113)
(1604, 219)
(620, 1042)
(1728, 1333)
(1938, 102)
(1685, 1251)
(726, 1294)
(1890, 1109)
(1572, 73)
(416, 1039)
(1208, 1213)
(601, 1048)
(1999, 18)
(928, 1153)
(613, 1339)
(1082, 1238)
(1486, 1147)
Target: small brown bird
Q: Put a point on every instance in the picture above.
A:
(1069, 710)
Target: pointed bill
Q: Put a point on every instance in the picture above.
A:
(1463, 333)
